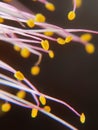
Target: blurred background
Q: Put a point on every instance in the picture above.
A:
(71, 76)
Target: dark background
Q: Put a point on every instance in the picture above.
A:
(71, 76)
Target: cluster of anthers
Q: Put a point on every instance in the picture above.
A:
(36, 33)
(19, 82)
(33, 37)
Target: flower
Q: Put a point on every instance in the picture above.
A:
(32, 35)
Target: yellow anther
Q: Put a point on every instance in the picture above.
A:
(34, 112)
(42, 100)
(30, 23)
(25, 53)
(47, 108)
(51, 54)
(1, 20)
(68, 39)
(86, 37)
(18, 75)
(71, 15)
(48, 33)
(40, 18)
(35, 70)
(78, 3)
(82, 118)
(89, 48)
(21, 94)
(6, 107)
(7, 0)
(61, 41)
(45, 44)
(16, 48)
(49, 6)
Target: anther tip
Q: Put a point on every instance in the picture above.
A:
(82, 118)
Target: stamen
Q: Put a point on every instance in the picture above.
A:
(35, 70)
(16, 48)
(6, 107)
(1, 20)
(7, 0)
(51, 54)
(45, 44)
(21, 94)
(49, 6)
(47, 108)
(48, 33)
(71, 15)
(42, 100)
(78, 3)
(89, 48)
(18, 75)
(82, 118)
(30, 23)
(68, 39)
(86, 37)
(25, 53)
(40, 18)
(61, 41)
(34, 112)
